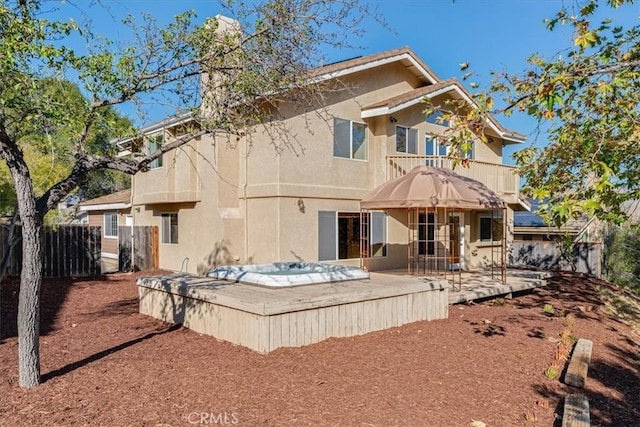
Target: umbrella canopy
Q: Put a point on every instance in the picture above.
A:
(429, 187)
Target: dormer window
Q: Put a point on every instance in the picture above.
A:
(406, 140)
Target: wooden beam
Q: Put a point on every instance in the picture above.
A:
(576, 411)
(579, 365)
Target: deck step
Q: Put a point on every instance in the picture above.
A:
(576, 411)
(579, 365)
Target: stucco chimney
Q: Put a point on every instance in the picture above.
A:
(226, 32)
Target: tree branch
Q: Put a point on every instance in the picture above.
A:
(86, 164)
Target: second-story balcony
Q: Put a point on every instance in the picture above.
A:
(500, 178)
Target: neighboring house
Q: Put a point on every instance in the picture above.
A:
(529, 226)
(218, 202)
(67, 211)
(575, 246)
(632, 209)
(109, 212)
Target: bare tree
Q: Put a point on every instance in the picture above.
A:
(228, 75)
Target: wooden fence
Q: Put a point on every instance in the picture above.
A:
(584, 257)
(67, 251)
(138, 248)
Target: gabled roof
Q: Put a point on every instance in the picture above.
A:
(408, 99)
(176, 120)
(403, 55)
(338, 69)
(433, 86)
(117, 200)
(404, 100)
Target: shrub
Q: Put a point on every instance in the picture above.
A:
(621, 255)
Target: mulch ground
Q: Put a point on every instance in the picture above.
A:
(105, 364)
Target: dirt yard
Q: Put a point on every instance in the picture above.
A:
(105, 364)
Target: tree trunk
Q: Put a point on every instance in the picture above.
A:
(30, 281)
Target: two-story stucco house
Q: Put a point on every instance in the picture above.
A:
(215, 203)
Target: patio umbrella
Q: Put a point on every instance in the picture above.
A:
(430, 187)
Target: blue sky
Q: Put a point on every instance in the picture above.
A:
(489, 34)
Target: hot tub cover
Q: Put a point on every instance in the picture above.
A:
(431, 187)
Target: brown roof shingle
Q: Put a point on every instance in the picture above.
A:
(425, 90)
(420, 92)
(123, 196)
(363, 60)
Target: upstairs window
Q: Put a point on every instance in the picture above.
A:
(471, 153)
(406, 140)
(434, 147)
(153, 145)
(350, 139)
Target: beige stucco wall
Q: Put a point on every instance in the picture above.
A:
(483, 254)
(252, 200)
(109, 244)
(200, 183)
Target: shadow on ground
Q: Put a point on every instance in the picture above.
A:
(104, 353)
(53, 294)
(620, 375)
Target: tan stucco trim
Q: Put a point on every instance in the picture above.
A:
(167, 197)
(302, 191)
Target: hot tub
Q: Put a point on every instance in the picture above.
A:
(283, 274)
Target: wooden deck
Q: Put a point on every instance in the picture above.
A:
(480, 285)
(265, 319)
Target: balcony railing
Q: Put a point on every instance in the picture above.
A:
(502, 179)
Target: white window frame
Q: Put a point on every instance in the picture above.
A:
(168, 240)
(490, 218)
(154, 143)
(436, 146)
(110, 214)
(471, 155)
(336, 236)
(407, 143)
(365, 143)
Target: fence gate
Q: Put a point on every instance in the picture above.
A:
(138, 248)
